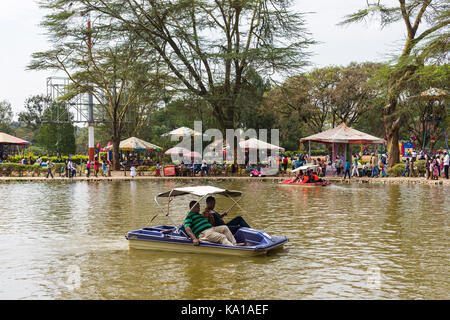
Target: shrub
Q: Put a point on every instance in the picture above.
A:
(35, 169)
(6, 169)
(397, 170)
(419, 167)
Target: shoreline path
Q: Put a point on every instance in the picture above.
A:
(119, 176)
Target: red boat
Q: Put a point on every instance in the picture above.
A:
(312, 184)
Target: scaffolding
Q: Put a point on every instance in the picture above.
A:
(78, 106)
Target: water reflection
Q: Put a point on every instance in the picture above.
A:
(66, 241)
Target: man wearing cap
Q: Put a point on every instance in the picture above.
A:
(446, 163)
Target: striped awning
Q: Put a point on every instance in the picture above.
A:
(135, 144)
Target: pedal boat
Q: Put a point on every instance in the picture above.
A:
(310, 184)
(173, 238)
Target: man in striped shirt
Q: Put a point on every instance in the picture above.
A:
(199, 229)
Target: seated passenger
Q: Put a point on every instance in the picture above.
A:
(306, 179)
(315, 178)
(215, 218)
(199, 229)
(298, 177)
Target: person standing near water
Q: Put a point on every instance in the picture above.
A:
(374, 163)
(204, 167)
(96, 168)
(104, 168)
(406, 168)
(133, 171)
(88, 168)
(49, 168)
(355, 166)
(69, 169)
(347, 168)
(446, 164)
(158, 170)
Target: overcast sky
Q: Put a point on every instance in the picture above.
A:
(21, 35)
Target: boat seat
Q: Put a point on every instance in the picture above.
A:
(182, 231)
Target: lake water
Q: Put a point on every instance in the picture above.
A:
(352, 241)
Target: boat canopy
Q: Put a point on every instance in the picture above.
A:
(306, 167)
(200, 191)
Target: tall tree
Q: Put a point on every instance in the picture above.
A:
(100, 59)
(427, 35)
(6, 116)
(57, 138)
(354, 92)
(209, 45)
(424, 115)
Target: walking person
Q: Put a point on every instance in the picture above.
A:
(70, 169)
(49, 168)
(435, 168)
(427, 167)
(438, 164)
(88, 168)
(285, 164)
(63, 168)
(347, 168)
(158, 170)
(355, 166)
(411, 167)
(204, 167)
(446, 164)
(133, 171)
(104, 168)
(374, 164)
(406, 168)
(338, 166)
(96, 168)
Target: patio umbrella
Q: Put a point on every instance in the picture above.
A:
(177, 151)
(181, 132)
(9, 139)
(136, 144)
(193, 154)
(254, 143)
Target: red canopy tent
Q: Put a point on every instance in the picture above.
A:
(6, 139)
(9, 139)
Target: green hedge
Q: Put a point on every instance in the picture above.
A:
(76, 158)
(142, 169)
(397, 170)
(9, 169)
(13, 169)
(419, 169)
(420, 166)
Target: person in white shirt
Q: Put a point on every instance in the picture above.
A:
(69, 169)
(446, 164)
(204, 167)
(133, 171)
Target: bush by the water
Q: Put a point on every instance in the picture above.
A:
(397, 170)
(142, 169)
(76, 158)
(9, 169)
